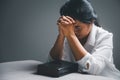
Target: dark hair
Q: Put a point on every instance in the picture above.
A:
(81, 10)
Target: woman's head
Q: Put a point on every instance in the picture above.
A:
(80, 10)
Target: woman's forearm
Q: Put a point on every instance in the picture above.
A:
(78, 51)
(57, 50)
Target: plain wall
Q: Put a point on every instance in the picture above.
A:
(28, 27)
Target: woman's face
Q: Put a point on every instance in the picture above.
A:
(82, 29)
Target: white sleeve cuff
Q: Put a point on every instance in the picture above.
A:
(83, 62)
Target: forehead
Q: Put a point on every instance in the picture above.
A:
(78, 23)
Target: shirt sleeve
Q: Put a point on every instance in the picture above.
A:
(91, 64)
(94, 62)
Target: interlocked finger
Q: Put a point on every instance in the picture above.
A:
(71, 19)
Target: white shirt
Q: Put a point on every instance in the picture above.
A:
(99, 57)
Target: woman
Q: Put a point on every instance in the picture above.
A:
(82, 40)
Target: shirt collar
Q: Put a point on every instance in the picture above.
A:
(92, 35)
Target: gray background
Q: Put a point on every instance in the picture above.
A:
(28, 27)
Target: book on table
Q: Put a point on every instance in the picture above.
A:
(57, 68)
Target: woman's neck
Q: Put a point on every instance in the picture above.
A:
(84, 40)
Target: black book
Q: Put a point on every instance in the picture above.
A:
(57, 68)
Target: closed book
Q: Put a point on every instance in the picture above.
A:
(57, 68)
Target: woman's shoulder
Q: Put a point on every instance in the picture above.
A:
(103, 36)
(101, 32)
